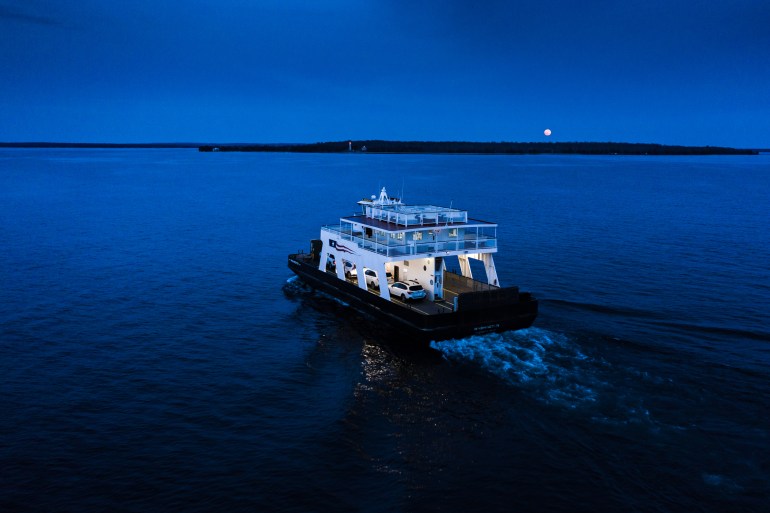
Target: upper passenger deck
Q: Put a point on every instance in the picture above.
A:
(390, 214)
(388, 227)
(415, 215)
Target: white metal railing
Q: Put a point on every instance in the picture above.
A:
(421, 218)
(394, 247)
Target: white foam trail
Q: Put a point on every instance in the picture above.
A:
(542, 361)
(294, 286)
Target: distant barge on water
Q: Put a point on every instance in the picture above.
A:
(389, 263)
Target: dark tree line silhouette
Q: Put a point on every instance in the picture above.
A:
(500, 148)
(459, 147)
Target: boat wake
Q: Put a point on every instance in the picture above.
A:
(295, 288)
(552, 368)
(534, 359)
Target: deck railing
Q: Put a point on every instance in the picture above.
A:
(417, 218)
(394, 247)
(460, 283)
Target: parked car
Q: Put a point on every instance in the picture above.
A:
(350, 269)
(410, 290)
(372, 280)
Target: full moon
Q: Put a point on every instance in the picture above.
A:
(547, 132)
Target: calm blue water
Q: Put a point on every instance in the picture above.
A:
(155, 354)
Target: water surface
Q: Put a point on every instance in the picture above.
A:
(156, 354)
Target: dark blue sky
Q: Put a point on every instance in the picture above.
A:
(662, 71)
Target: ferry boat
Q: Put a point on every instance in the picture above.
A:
(390, 262)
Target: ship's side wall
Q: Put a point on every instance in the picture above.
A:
(500, 313)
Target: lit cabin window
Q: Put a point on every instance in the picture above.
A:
(417, 235)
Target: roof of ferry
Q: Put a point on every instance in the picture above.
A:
(393, 227)
(405, 208)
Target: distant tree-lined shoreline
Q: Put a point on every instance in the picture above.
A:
(490, 148)
(445, 147)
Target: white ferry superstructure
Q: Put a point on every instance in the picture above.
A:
(360, 259)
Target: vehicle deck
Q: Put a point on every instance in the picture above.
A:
(453, 287)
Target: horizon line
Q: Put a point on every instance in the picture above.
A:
(194, 144)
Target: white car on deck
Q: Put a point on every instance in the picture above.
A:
(407, 290)
(372, 280)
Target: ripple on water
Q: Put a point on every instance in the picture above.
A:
(544, 362)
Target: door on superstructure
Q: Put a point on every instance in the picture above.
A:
(438, 278)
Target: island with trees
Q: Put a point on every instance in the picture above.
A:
(490, 148)
(438, 147)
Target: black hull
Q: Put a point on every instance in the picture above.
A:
(488, 312)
